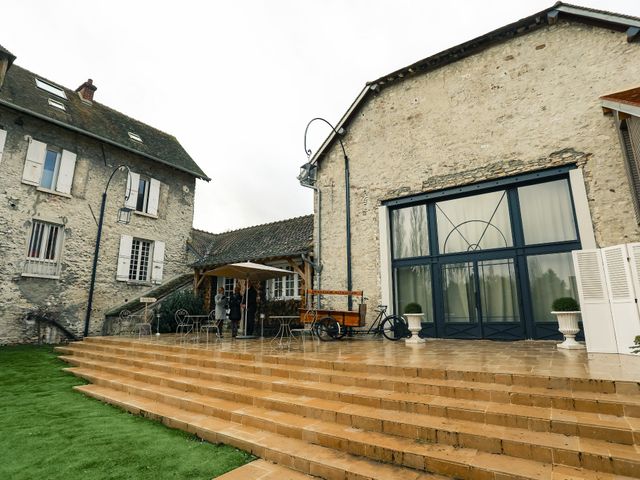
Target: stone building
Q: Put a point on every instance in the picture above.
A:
(58, 149)
(474, 173)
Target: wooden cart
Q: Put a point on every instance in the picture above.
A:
(330, 324)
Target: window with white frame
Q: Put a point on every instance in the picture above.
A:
(144, 194)
(140, 260)
(229, 286)
(284, 288)
(49, 168)
(44, 250)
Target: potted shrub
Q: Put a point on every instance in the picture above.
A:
(413, 314)
(635, 348)
(567, 310)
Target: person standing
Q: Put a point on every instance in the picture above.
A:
(252, 306)
(221, 309)
(235, 312)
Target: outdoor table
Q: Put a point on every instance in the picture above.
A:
(283, 337)
(197, 320)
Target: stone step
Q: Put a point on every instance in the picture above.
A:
(375, 435)
(573, 401)
(574, 384)
(296, 454)
(263, 470)
(224, 385)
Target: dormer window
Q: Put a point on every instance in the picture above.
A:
(135, 137)
(48, 87)
(57, 104)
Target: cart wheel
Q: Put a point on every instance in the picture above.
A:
(327, 329)
(394, 328)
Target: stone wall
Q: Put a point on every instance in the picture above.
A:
(20, 203)
(523, 105)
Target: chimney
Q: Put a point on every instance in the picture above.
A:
(6, 59)
(86, 90)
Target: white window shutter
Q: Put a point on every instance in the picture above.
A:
(124, 258)
(621, 295)
(33, 164)
(617, 272)
(132, 184)
(154, 197)
(157, 266)
(597, 319)
(65, 172)
(3, 138)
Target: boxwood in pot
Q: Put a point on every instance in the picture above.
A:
(413, 308)
(565, 304)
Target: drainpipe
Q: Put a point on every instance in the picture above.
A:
(307, 178)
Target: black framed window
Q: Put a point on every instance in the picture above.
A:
(487, 260)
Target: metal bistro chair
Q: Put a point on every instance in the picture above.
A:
(123, 318)
(144, 322)
(309, 320)
(184, 325)
(212, 323)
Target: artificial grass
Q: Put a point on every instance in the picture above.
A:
(50, 431)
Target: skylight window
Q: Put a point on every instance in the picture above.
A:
(135, 136)
(48, 87)
(57, 104)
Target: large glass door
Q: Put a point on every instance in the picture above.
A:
(480, 300)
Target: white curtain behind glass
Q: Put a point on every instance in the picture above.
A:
(414, 286)
(547, 213)
(409, 227)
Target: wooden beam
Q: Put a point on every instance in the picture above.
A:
(296, 267)
(196, 282)
(207, 293)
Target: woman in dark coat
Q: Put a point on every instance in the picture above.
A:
(235, 312)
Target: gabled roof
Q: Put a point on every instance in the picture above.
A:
(95, 120)
(549, 16)
(286, 238)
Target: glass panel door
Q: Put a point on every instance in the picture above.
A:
(460, 300)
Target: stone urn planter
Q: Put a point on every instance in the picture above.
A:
(413, 314)
(567, 311)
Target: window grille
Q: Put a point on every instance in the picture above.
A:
(140, 256)
(43, 253)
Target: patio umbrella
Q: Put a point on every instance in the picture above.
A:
(248, 271)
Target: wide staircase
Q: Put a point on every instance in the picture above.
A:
(341, 420)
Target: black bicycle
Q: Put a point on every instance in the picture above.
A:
(392, 327)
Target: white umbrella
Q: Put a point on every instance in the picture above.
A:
(248, 271)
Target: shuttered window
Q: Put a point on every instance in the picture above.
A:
(144, 194)
(140, 260)
(49, 168)
(630, 133)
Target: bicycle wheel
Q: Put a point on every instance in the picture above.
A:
(394, 328)
(327, 329)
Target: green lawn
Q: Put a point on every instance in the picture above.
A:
(49, 431)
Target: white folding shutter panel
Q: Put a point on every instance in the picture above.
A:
(33, 164)
(597, 320)
(158, 262)
(621, 294)
(154, 197)
(633, 250)
(124, 258)
(132, 184)
(65, 172)
(3, 138)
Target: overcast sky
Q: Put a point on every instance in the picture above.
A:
(237, 81)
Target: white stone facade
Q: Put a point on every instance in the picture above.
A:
(526, 104)
(21, 204)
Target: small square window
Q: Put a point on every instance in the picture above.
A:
(57, 104)
(49, 87)
(135, 136)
